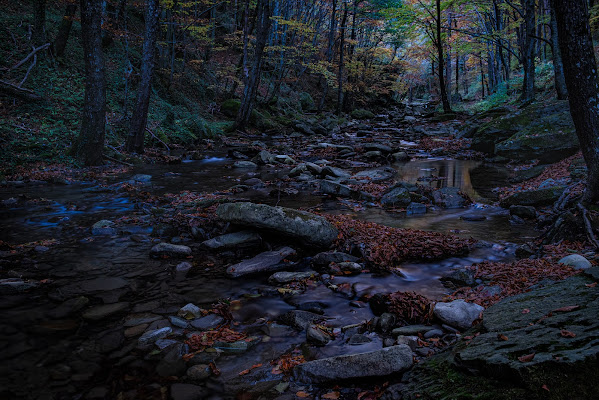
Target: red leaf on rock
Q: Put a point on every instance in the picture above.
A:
(566, 309)
(567, 334)
(525, 311)
(526, 358)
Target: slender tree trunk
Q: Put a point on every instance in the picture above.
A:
(443, 88)
(251, 85)
(332, 29)
(135, 141)
(558, 66)
(580, 69)
(39, 23)
(62, 37)
(90, 143)
(528, 51)
(341, 61)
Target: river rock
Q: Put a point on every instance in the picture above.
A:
(103, 227)
(401, 156)
(337, 189)
(386, 322)
(397, 197)
(186, 391)
(171, 250)
(286, 277)
(334, 172)
(299, 319)
(327, 257)
(104, 311)
(190, 311)
(375, 175)
(208, 322)
(316, 336)
(377, 363)
(152, 336)
(233, 240)
(449, 197)
(458, 313)
(378, 147)
(309, 228)
(416, 208)
(576, 261)
(526, 212)
(69, 307)
(263, 262)
(199, 372)
(410, 330)
(540, 197)
(244, 164)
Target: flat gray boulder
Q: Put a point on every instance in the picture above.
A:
(233, 240)
(263, 262)
(170, 250)
(309, 228)
(458, 313)
(386, 361)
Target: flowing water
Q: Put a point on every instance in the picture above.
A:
(66, 213)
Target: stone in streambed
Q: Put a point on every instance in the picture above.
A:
(397, 197)
(298, 319)
(458, 313)
(316, 336)
(377, 363)
(576, 261)
(233, 240)
(325, 258)
(308, 228)
(539, 197)
(103, 227)
(190, 311)
(244, 164)
(186, 391)
(263, 262)
(171, 250)
(208, 322)
(449, 197)
(286, 277)
(104, 311)
(151, 337)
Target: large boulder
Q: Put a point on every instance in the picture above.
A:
(309, 228)
(543, 131)
(449, 197)
(397, 197)
(458, 313)
(263, 262)
(386, 361)
(538, 197)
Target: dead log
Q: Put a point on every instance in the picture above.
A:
(21, 93)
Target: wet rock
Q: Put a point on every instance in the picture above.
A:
(15, 285)
(139, 319)
(181, 270)
(152, 336)
(264, 157)
(397, 197)
(337, 189)
(286, 277)
(335, 172)
(199, 372)
(458, 313)
(382, 362)
(105, 311)
(449, 197)
(103, 284)
(244, 164)
(416, 208)
(135, 330)
(210, 321)
(576, 261)
(206, 357)
(358, 339)
(433, 333)
(173, 364)
(525, 212)
(263, 262)
(376, 175)
(103, 227)
(178, 322)
(240, 346)
(378, 147)
(141, 178)
(410, 330)
(284, 159)
(309, 228)
(372, 154)
(541, 197)
(190, 311)
(171, 250)
(461, 277)
(350, 267)
(410, 341)
(233, 240)
(386, 322)
(317, 337)
(69, 307)
(299, 319)
(401, 156)
(186, 391)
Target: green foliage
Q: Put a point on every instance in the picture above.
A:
(230, 107)
(362, 114)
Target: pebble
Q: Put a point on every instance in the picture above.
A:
(190, 311)
(151, 337)
(208, 322)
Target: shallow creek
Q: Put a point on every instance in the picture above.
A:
(80, 264)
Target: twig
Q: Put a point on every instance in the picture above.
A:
(587, 225)
(35, 50)
(117, 161)
(29, 70)
(15, 91)
(157, 138)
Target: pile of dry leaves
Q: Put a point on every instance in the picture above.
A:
(410, 307)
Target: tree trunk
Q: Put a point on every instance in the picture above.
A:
(558, 66)
(341, 61)
(253, 79)
(135, 141)
(332, 29)
(580, 70)
(38, 35)
(90, 142)
(443, 88)
(528, 51)
(60, 43)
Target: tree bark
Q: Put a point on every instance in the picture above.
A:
(90, 143)
(251, 85)
(528, 51)
(62, 37)
(558, 66)
(39, 23)
(443, 88)
(341, 62)
(580, 70)
(332, 29)
(135, 141)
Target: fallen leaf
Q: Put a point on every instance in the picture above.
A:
(566, 309)
(501, 336)
(302, 394)
(544, 387)
(525, 311)
(244, 372)
(567, 334)
(526, 358)
(331, 396)
(591, 284)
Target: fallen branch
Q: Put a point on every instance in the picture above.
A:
(15, 91)
(35, 50)
(29, 70)
(117, 161)
(587, 225)
(168, 149)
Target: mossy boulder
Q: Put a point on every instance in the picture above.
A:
(307, 102)
(230, 107)
(539, 197)
(543, 131)
(361, 113)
